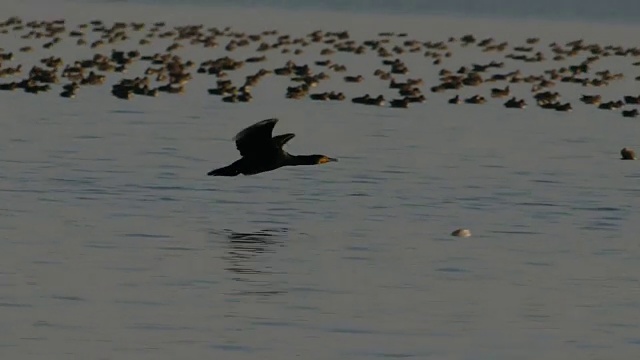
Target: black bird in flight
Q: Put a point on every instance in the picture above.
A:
(261, 152)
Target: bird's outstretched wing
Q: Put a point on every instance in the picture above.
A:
(256, 138)
(280, 140)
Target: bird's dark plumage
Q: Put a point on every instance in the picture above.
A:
(262, 152)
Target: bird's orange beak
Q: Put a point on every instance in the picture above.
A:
(326, 159)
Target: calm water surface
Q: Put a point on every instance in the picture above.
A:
(115, 245)
(627, 11)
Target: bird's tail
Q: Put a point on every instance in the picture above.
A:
(230, 170)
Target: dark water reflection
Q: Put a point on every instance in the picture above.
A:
(244, 254)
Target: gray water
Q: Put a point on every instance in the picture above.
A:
(627, 11)
(115, 245)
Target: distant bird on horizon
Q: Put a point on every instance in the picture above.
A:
(261, 152)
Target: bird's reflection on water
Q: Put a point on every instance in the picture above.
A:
(245, 254)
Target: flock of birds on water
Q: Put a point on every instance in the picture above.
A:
(168, 73)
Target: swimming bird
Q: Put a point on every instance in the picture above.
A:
(628, 154)
(261, 152)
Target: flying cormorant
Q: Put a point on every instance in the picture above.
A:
(261, 152)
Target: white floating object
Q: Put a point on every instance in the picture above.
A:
(461, 233)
